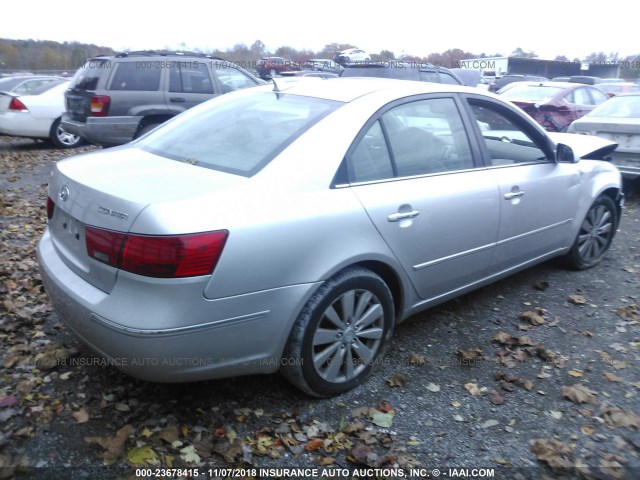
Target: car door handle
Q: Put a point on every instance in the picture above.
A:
(396, 217)
(512, 195)
(177, 99)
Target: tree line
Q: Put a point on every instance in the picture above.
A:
(34, 55)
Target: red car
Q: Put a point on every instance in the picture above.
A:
(268, 65)
(554, 105)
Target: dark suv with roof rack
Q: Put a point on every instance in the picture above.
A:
(402, 70)
(114, 99)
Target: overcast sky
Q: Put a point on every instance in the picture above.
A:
(546, 27)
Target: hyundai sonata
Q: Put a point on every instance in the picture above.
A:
(292, 226)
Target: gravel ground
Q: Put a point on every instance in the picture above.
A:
(532, 377)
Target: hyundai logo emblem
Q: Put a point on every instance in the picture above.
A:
(64, 193)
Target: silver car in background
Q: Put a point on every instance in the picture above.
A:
(291, 227)
(618, 120)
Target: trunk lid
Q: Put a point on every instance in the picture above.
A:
(109, 190)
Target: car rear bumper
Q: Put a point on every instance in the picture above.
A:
(627, 163)
(207, 339)
(103, 130)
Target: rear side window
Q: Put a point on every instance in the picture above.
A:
(237, 134)
(87, 76)
(131, 76)
(417, 138)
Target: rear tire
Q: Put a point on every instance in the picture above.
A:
(63, 139)
(341, 332)
(595, 235)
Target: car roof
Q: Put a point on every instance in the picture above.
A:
(348, 89)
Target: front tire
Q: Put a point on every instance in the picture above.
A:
(341, 332)
(63, 139)
(595, 235)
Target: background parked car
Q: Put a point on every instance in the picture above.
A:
(554, 105)
(618, 120)
(37, 114)
(24, 84)
(418, 71)
(585, 79)
(322, 65)
(264, 231)
(268, 66)
(506, 79)
(617, 88)
(352, 55)
(112, 100)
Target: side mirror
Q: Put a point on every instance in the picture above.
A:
(564, 154)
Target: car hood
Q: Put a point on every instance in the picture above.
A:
(585, 146)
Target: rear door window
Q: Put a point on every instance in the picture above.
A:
(136, 76)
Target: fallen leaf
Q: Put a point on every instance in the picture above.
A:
(113, 446)
(432, 387)
(141, 455)
(314, 444)
(542, 286)
(81, 416)
(384, 406)
(384, 420)
(553, 452)
(496, 398)
(579, 394)
(469, 357)
(613, 378)
(534, 318)
(618, 418)
(417, 359)
(189, 454)
(397, 380)
(473, 389)
(577, 299)
(575, 373)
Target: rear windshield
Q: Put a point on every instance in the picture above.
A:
(619, 107)
(533, 93)
(238, 134)
(86, 78)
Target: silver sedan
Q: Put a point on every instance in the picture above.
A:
(290, 227)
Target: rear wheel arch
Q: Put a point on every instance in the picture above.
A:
(308, 347)
(149, 123)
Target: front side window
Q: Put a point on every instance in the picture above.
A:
(507, 140)
(231, 78)
(190, 77)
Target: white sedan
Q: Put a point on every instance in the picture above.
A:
(37, 115)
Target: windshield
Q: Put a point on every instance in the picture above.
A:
(618, 107)
(533, 93)
(237, 134)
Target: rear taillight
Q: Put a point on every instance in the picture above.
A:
(100, 105)
(50, 208)
(17, 105)
(172, 256)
